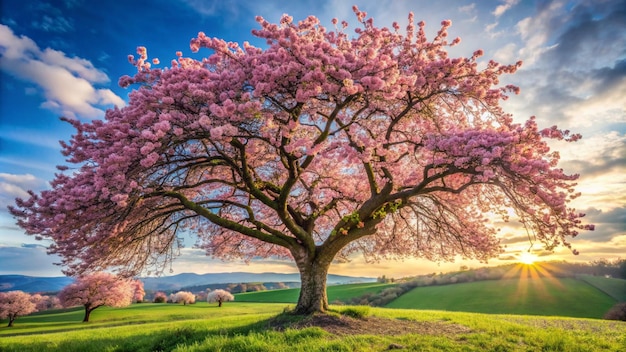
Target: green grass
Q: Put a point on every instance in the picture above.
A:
(615, 288)
(538, 296)
(146, 313)
(245, 327)
(335, 293)
(288, 295)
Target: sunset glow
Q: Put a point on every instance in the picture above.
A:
(527, 258)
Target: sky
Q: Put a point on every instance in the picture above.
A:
(64, 58)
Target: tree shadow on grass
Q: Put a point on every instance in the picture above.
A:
(160, 339)
(295, 326)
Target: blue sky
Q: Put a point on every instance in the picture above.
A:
(63, 58)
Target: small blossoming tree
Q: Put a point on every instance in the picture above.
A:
(185, 297)
(138, 292)
(14, 304)
(96, 290)
(44, 302)
(160, 297)
(313, 148)
(219, 296)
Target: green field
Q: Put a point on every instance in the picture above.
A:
(434, 322)
(248, 327)
(615, 288)
(335, 293)
(538, 296)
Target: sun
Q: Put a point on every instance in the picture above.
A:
(528, 258)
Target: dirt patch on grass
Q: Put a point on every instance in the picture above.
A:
(345, 325)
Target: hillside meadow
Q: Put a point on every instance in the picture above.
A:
(580, 298)
(538, 296)
(335, 293)
(615, 288)
(244, 326)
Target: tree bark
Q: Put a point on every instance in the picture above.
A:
(313, 297)
(11, 320)
(87, 313)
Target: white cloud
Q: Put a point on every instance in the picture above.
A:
(600, 159)
(535, 31)
(501, 9)
(490, 27)
(470, 9)
(607, 106)
(15, 186)
(11, 190)
(26, 179)
(506, 54)
(67, 83)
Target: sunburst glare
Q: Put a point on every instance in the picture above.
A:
(527, 258)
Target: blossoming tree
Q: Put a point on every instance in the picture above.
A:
(138, 291)
(96, 290)
(184, 297)
(14, 304)
(160, 297)
(320, 145)
(219, 296)
(44, 302)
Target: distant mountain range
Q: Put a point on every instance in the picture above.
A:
(33, 284)
(168, 283)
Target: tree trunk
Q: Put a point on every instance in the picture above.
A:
(313, 296)
(11, 320)
(219, 302)
(87, 313)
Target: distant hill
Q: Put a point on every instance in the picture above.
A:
(176, 282)
(33, 284)
(168, 283)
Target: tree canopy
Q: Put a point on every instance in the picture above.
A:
(16, 303)
(219, 296)
(317, 146)
(96, 290)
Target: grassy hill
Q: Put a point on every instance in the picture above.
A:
(261, 327)
(335, 293)
(615, 288)
(537, 296)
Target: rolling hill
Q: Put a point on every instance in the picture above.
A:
(335, 293)
(531, 296)
(239, 326)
